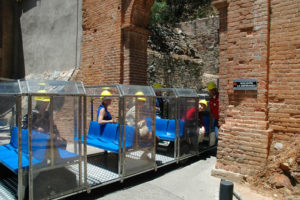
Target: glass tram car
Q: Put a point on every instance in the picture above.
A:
(56, 142)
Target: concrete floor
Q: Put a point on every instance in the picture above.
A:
(189, 181)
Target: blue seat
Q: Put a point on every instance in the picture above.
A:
(40, 145)
(149, 123)
(109, 139)
(94, 129)
(129, 136)
(161, 127)
(169, 135)
(108, 132)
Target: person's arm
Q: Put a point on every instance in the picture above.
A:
(101, 117)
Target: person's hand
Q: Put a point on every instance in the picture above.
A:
(113, 121)
(202, 130)
(40, 129)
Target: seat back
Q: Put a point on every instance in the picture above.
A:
(14, 139)
(149, 123)
(161, 125)
(171, 126)
(108, 132)
(129, 135)
(40, 144)
(94, 129)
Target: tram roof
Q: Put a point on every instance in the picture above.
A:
(49, 87)
(10, 87)
(179, 92)
(120, 90)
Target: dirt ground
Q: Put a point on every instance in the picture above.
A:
(282, 176)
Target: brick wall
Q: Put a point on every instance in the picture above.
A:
(101, 43)
(243, 142)
(258, 43)
(284, 89)
(114, 42)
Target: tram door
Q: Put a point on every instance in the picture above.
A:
(188, 117)
(56, 167)
(11, 172)
(138, 129)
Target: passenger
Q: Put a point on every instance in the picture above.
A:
(103, 115)
(141, 124)
(202, 130)
(41, 119)
(214, 107)
(138, 110)
(191, 116)
(159, 105)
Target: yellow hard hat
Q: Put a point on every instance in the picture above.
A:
(42, 98)
(211, 85)
(157, 86)
(139, 93)
(105, 95)
(203, 101)
(42, 84)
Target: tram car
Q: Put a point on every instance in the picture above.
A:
(59, 138)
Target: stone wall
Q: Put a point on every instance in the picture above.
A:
(185, 55)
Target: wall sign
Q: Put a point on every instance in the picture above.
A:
(245, 84)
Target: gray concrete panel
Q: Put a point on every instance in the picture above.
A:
(52, 32)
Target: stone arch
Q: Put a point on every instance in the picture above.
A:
(135, 19)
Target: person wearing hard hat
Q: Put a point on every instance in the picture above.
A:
(214, 106)
(136, 117)
(138, 107)
(103, 115)
(159, 104)
(191, 115)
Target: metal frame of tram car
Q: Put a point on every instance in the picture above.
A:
(41, 151)
(177, 132)
(119, 150)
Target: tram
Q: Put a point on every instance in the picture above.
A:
(59, 138)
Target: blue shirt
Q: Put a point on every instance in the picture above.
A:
(107, 117)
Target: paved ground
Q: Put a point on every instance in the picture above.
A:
(189, 181)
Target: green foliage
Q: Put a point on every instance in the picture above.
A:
(172, 11)
(159, 12)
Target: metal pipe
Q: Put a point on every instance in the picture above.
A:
(154, 132)
(20, 169)
(120, 140)
(85, 145)
(124, 147)
(30, 146)
(79, 137)
(51, 132)
(226, 190)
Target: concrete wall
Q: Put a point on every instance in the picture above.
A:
(52, 32)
